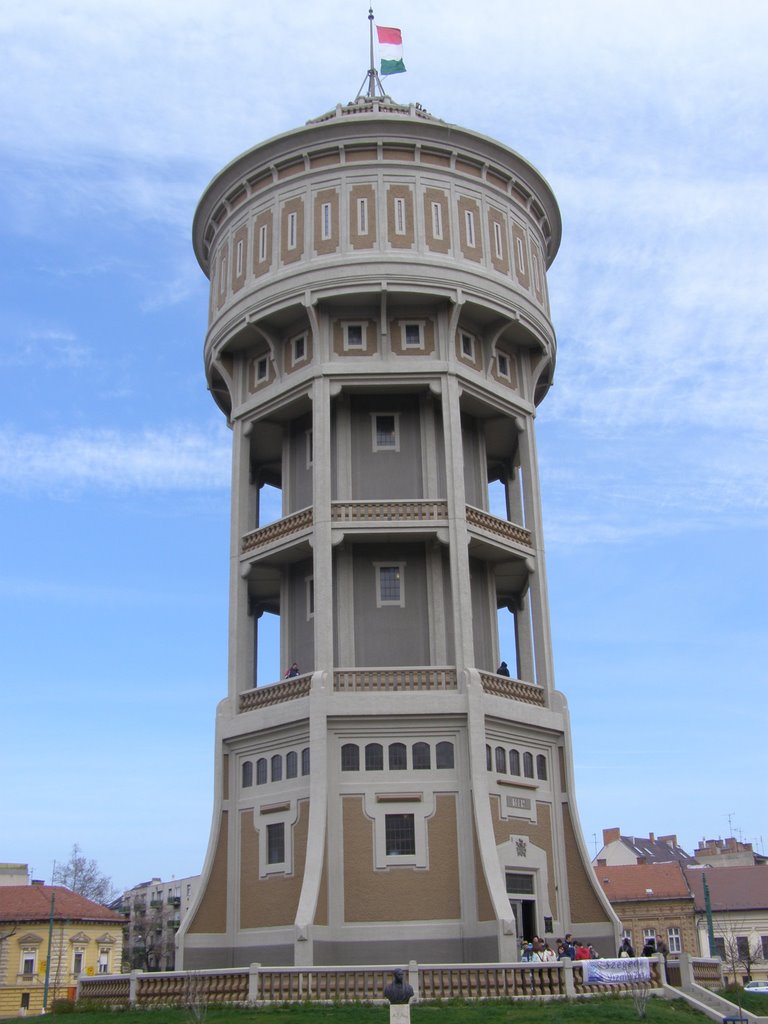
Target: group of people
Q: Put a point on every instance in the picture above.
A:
(650, 948)
(539, 949)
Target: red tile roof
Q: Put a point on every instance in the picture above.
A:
(33, 903)
(731, 888)
(643, 882)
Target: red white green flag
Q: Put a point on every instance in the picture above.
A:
(390, 50)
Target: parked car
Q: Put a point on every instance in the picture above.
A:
(757, 986)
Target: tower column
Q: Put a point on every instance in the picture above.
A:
(322, 555)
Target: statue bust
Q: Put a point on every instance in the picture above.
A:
(398, 990)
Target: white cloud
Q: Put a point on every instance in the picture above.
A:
(47, 349)
(173, 459)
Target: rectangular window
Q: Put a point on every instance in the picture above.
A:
(390, 585)
(519, 884)
(437, 221)
(468, 346)
(362, 216)
(262, 243)
(502, 362)
(310, 597)
(520, 254)
(261, 368)
(292, 223)
(627, 934)
(469, 224)
(28, 958)
(305, 761)
(720, 948)
(386, 436)
(326, 229)
(239, 258)
(77, 962)
(764, 945)
(400, 835)
(309, 448)
(25, 1000)
(299, 349)
(399, 216)
(497, 240)
(413, 335)
(354, 337)
(276, 843)
(742, 948)
(673, 940)
(103, 965)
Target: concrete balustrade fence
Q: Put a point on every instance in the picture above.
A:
(258, 985)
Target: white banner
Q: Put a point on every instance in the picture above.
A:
(616, 972)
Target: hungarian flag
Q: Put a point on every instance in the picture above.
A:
(391, 50)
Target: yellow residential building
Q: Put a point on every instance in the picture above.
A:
(48, 928)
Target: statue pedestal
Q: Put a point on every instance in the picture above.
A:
(399, 1013)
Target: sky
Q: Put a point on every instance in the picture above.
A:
(649, 122)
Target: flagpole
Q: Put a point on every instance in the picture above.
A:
(372, 75)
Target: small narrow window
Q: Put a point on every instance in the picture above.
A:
(239, 258)
(305, 761)
(261, 771)
(501, 760)
(374, 757)
(444, 754)
(292, 223)
(399, 216)
(514, 762)
(385, 432)
(309, 448)
(310, 582)
(77, 962)
(28, 958)
(223, 274)
(528, 765)
(469, 224)
(276, 843)
(263, 243)
(390, 589)
(350, 757)
(398, 757)
(541, 766)
(488, 758)
(291, 764)
(413, 335)
(325, 219)
(468, 346)
(362, 216)
(536, 271)
(520, 252)
(437, 221)
(400, 835)
(25, 1000)
(502, 361)
(261, 368)
(247, 774)
(673, 940)
(103, 964)
(277, 768)
(299, 349)
(497, 240)
(422, 756)
(354, 336)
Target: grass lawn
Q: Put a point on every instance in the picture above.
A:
(608, 1010)
(753, 1001)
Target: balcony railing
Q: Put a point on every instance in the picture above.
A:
(499, 527)
(275, 693)
(512, 689)
(379, 679)
(278, 530)
(388, 511)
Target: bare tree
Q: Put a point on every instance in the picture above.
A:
(741, 954)
(84, 877)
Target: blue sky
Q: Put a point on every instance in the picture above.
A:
(648, 120)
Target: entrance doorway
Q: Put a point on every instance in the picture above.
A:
(522, 900)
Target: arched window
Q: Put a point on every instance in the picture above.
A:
(488, 757)
(514, 762)
(501, 760)
(398, 757)
(291, 764)
(277, 767)
(305, 761)
(444, 754)
(350, 757)
(247, 773)
(528, 764)
(261, 771)
(422, 755)
(541, 766)
(374, 757)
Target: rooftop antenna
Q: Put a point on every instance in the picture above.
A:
(374, 86)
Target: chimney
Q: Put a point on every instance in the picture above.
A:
(651, 837)
(611, 835)
(669, 840)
